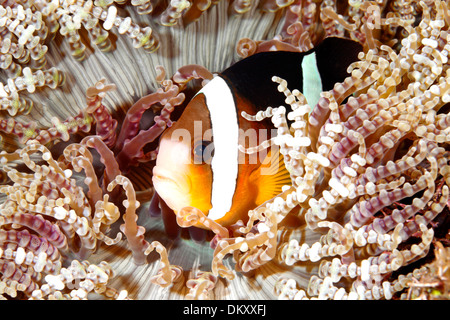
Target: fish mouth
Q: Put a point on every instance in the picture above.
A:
(161, 175)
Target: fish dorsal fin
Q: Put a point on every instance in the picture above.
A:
(270, 177)
(333, 57)
(252, 77)
(316, 70)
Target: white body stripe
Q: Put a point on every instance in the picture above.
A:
(225, 129)
(312, 83)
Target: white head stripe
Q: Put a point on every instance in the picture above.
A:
(225, 129)
(312, 83)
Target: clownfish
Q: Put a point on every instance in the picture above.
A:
(199, 163)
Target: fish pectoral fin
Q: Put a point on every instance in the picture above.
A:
(270, 177)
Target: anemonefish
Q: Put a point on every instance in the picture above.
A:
(199, 163)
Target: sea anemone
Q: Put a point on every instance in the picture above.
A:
(87, 88)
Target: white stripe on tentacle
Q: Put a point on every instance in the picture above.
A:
(225, 130)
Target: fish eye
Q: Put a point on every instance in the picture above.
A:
(203, 151)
